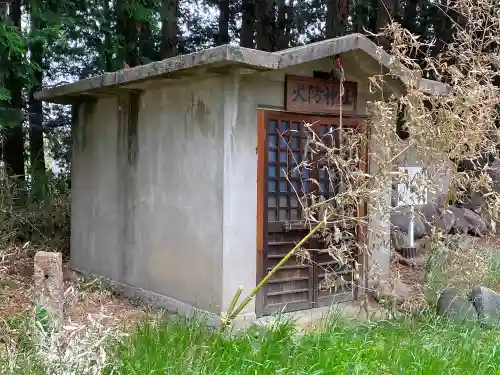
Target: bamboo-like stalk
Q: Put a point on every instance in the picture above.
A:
(235, 300)
(233, 314)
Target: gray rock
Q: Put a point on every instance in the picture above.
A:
(487, 304)
(434, 216)
(477, 224)
(397, 291)
(400, 219)
(494, 173)
(446, 221)
(429, 214)
(475, 164)
(461, 224)
(478, 163)
(492, 224)
(455, 307)
(475, 201)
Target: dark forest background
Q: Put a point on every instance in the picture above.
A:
(49, 42)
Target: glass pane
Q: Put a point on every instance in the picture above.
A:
(271, 127)
(271, 215)
(282, 172)
(271, 201)
(272, 171)
(295, 172)
(322, 187)
(295, 126)
(283, 157)
(284, 214)
(295, 143)
(271, 186)
(283, 126)
(305, 186)
(295, 157)
(273, 141)
(283, 202)
(297, 186)
(284, 141)
(271, 156)
(294, 201)
(294, 214)
(283, 186)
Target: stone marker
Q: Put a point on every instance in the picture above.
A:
(49, 287)
(478, 225)
(451, 305)
(487, 304)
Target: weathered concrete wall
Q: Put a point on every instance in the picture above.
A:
(96, 220)
(148, 192)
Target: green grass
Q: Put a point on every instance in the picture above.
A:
(429, 346)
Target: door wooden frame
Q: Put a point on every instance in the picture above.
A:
(261, 240)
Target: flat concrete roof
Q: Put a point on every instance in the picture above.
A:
(221, 59)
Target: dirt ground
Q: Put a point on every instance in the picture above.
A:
(415, 275)
(91, 296)
(82, 297)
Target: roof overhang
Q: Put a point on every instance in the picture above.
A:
(220, 60)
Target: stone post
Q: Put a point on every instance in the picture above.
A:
(49, 287)
(382, 122)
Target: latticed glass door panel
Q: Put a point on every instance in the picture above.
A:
(287, 181)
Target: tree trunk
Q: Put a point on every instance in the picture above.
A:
(373, 16)
(385, 15)
(410, 15)
(445, 21)
(168, 45)
(360, 16)
(147, 49)
(37, 155)
(126, 30)
(285, 24)
(337, 12)
(247, 23)
(386, 12)
(223, 35)
(13, 143)
(265, 26)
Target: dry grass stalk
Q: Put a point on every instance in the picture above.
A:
(94, 314)
(443, 129)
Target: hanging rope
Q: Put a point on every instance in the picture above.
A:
(338, 64)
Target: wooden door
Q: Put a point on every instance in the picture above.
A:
(283, 186)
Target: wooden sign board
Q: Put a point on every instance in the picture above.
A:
(315, 95)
